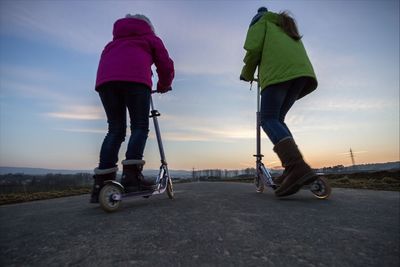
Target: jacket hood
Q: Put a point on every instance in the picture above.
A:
(127, 27)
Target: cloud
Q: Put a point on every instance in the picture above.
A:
(220, 134)
(183, 128)
(30, 90)
(325, 127)
(354, 152)
(184, 137)
(37, 74)
(56, 21)
(192, 134)
(196, 48)
(212, 48)
(224, 132)
(295, 119)
(79, 113)
(36, 82)
(83, 130)
(51, 89)
(356, 104)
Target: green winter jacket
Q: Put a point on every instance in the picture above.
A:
(279, 57)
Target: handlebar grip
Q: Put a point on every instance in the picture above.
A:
(164, 91)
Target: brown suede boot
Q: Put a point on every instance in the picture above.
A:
(101, 175)
(132, 177)
(298, 171)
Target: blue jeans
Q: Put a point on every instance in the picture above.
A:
(116, 98)
(276, 100)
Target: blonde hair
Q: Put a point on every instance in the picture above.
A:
(141, 17)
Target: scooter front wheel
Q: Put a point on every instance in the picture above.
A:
(259, 184)
(321, 188)
(110, 197)
(170, 189)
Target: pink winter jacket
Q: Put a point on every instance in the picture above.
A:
(129, 56)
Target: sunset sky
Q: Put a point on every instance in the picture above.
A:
(51, 116)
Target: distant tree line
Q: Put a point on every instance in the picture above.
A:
(17, 183)
(224, 174)
(215, 174)
(218, 173)
(371, 167)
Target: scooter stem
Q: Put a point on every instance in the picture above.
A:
(258, 126)
(154, 114)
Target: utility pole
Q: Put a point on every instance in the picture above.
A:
(352, 157)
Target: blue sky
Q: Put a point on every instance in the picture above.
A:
(50, 115)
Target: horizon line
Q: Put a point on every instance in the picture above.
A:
(190, 170)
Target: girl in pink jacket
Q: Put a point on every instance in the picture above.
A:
(124, 82)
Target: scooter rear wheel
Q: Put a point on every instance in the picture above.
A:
(110, 197)
(321, 188)
(170, 189)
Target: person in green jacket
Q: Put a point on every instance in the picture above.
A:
(285, 74)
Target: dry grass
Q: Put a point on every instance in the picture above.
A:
(24, 197)
(383, 180)
(386, 183)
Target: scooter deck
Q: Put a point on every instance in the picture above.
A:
(143, 193)
(269, 182)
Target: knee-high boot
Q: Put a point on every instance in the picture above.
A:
(297, 171)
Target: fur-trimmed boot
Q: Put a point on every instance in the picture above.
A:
(101, 175)
(132, 177)
(298, 172)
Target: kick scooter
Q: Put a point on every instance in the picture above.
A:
(113, 192)
(320, 187)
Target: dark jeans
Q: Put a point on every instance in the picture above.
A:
(276, 100)
(116, 98)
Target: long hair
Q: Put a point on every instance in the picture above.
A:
(288, 25)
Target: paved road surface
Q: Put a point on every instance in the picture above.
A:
(208, 224)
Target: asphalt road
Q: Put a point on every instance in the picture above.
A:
(208, 224)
